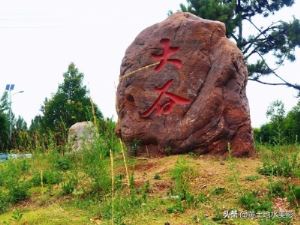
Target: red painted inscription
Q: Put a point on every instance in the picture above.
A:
(164, 58)
(165, 107)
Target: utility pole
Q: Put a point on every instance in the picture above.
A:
(9, 88)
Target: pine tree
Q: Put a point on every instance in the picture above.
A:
(70, 104)
(279, 39)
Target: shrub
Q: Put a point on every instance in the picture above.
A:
(96, 166)
(63, 164)
(48, 177)
(69, 186)
(3, 202)
(24, 166)
(276, 189)
(177, 208)
(293, 194)
(18, 192)
(281, 165)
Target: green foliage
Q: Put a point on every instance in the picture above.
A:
(176, 208)
(215, 10)
(293, 194)
(282, 128)
(18, 191)
(252, 178)
(63, 163)
(250, 201)
(134, 146)
(276, 189)
(119, 181)
(46, 177)
(17, 216)
(182, 174)
(280, 164)
(275, 221)
(70, 104)
(3, 202)
(69, 186)
(157, 177)
(107, 139)
(279, 39)
(4, 122)
(219, 191)
(96, 166)
(128, 204)
(122, 207)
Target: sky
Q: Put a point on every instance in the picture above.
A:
(39, 39)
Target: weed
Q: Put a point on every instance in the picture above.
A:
(69, 186)
(280, 164)
(134, 146)
(275, 221)
(276, 189)
(182, 174)
(96, 166)
(293, 195)
(119, 181)
(157, 177)
(234, 173)
(176, 208)
(63, 164)
(17, 216)
(24, 166)
(218, 191)
(218, 215)
(145, 190)
(49, 177)
(3, 202)
(250, 201)
(18, 192)
(252, 178)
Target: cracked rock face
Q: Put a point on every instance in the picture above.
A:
(182, 88)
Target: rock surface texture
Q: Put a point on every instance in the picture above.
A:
(81, 134)
(182, 89)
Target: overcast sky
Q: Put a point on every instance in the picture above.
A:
(39, 39)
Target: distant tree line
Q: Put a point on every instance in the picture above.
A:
(70, 104)
(283, 128)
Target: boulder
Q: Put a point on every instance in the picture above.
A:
(81, 134)
(182, 88)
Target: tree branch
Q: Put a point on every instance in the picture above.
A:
(286, 83)
(235, 38)
(262, 82)
(262, 32)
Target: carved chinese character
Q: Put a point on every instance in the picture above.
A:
(164, 58)
(167, 106)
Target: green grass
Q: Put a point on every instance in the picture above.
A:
(72, 189)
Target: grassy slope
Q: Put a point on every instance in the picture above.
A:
(232, 176)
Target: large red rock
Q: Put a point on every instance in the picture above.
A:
(182, 88)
